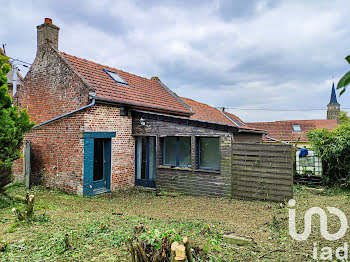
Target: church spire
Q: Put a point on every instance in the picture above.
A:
(333, 108)
(333, 96)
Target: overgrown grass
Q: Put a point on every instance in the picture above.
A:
(98, 227)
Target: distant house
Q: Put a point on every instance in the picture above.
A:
(295, 130)
(10, 77)
(100, 128)
(292, 130)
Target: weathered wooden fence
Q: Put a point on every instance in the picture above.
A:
(262, 171)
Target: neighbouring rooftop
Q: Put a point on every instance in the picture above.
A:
(291, 130)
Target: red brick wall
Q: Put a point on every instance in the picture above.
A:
(57, 151)
(51, 88)
(106, 118)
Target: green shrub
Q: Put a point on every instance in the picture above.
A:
(13, 124)
(334, 149)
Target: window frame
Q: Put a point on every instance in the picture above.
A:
(177, 149)
(199, 154)
(297, 126)
(108, 72)
(123, 111)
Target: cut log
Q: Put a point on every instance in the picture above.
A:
(188, 249)
(66, 242)
(180, 252)
(173, 250)
(30, 206)
(142, 252)
(132, 250)
(19, 215)
(15, 197)
(238, 240)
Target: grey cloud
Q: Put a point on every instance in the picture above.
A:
(249, 54)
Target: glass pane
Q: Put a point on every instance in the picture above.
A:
(98, 159)
(144, 158)
(138, 157)
(296, 128)
(170, 151)
(209, 152)
(116, 77)
(152, 159)
(185, 151)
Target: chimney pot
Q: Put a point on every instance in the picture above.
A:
(48, 20)
(155, 78)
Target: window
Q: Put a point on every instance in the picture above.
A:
(116, 77)
(177, 151)
(123, 111)
(209, 153)
(296, 128)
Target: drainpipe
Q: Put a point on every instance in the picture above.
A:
(91, 96)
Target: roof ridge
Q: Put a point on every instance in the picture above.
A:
(200, 103)
(224, 113)
(277, 121)
(88, 60)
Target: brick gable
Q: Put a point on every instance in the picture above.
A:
(51, 87)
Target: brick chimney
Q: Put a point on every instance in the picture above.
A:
(47, 32)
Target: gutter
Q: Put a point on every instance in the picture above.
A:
(242, 130)
(280, 141)
(92, 97)
(275, 140)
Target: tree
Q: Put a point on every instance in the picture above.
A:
(345, 80)
(343, 117)
(334, 149)
(13, 124)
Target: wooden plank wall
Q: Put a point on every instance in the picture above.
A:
(262, 171)
(193, 182)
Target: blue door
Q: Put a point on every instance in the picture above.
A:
(97, 162)
(145, 162)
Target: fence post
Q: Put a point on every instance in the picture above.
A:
(26, 164)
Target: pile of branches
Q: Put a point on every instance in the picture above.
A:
(142, 251)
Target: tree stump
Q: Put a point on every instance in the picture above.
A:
(180, 252)
(188, 249)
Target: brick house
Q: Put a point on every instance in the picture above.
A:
(100, 128)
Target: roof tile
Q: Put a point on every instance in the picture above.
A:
(139, 91)
(207, 113)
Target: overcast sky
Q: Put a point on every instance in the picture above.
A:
(243, 54)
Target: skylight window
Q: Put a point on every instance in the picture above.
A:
(116, 77)
(296, 128)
